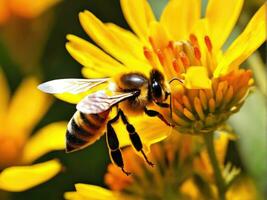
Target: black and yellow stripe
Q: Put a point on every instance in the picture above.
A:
(84, 129)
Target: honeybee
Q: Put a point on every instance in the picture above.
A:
(129, 91)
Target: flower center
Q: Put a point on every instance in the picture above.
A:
(198, 110)
(178, 56)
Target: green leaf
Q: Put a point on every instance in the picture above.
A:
(250, 124)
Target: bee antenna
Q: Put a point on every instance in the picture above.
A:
(176, 79)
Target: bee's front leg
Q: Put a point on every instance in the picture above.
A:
(167, 105)
(134, 137)
(154, 113)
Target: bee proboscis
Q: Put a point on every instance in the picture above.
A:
(131, 91)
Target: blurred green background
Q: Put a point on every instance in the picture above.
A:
(89, 165)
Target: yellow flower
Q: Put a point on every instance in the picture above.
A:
(246, 190)
(23, 8)
(18, 117)
(242, 189)
(181, 45)
(180, 162)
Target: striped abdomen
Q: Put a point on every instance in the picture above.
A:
(85, 129)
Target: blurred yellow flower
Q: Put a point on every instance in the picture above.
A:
(246, 190)
(181, 45)
(23, 8)
(18, 117)
(180, 162)
(242, 190)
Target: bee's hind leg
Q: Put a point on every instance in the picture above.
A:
(154, 113)
(134, 137)
(113, 145)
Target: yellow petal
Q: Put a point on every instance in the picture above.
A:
(4, 97)
(244, 188)
(189, 188)
(73, 196)
(222, 16)
(4, 12)
(17, 179)
(27, 107)
(159, 35)
(246, 43)
(49, 138)
(138, 14)
(108, 41)
(150, 129)
(179, 17)
(130, 42)
(221, 143)
(160, 38)
(203, 164)
(92, 58)
(93, 192)
(196, 77)
(30, 8)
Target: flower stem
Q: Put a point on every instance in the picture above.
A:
(208, 138)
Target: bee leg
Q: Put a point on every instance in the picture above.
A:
(154, 113)
(116, 157)
(163, 105)
(167, 105)
(134, 137)
(113, 145)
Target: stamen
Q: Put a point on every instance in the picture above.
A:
(197, 53)
(160, 56)
(212, 105)
(180, 120)
(193, 40)
(185, 59)
(147, 53)
(178, 106)
(186, 102)
(189, 114)
(208, 43)
(203, 99)
(152, 42)
(171, 45)
(176, 65)
(229, 94)
(218, 97)
(198, 108)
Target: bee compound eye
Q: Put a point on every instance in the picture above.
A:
(156, 90)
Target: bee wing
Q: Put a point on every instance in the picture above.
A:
(71, 85)
(99, 101)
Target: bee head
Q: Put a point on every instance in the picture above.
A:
(157, 87)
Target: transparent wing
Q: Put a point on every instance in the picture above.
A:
(71, 85)
(99, 102)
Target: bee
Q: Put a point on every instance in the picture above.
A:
(133, 92)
